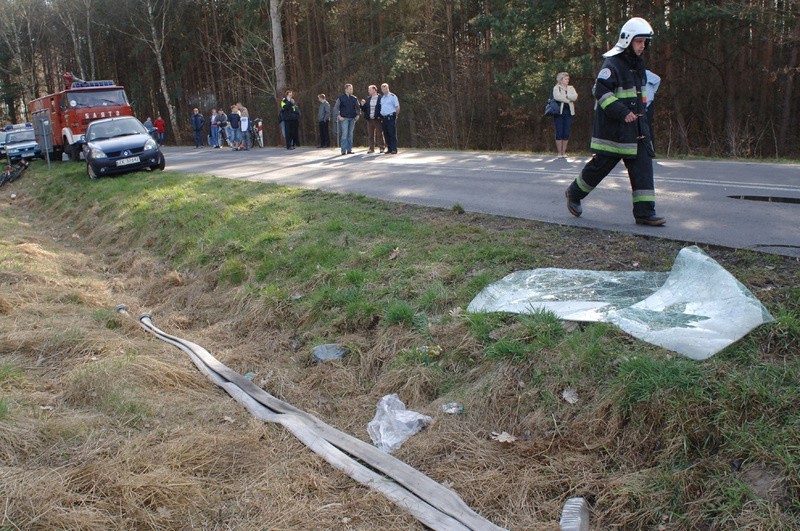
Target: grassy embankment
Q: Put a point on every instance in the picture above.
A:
(101, 426)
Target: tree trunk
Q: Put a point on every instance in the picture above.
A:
(277, 47)
(88, 8)
(451, 66)
(786, 114)
(157, 45)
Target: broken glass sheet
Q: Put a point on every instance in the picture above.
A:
(696, 309)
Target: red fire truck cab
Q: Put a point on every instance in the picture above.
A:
(63, 116)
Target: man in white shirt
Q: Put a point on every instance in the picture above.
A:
(390, 109)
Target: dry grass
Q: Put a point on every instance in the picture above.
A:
(110, 428)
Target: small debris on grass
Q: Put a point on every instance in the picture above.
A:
(393, 424)
(570, 395)
(228, 419)
(250, 375)
(329, 351)
(456, 312)
(395, 253)
(452, 408)
(575, 515)
(503, 437)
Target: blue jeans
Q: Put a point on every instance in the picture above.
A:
(346, 134)
(563, 123)
(214, 136)
(236, 135)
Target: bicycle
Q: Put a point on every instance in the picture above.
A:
(12, 173)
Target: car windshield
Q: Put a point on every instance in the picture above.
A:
(114, 128)
(96, 98)
(20, 136)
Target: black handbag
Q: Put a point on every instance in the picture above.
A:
(552, 108)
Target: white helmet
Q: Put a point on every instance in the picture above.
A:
(635, 27)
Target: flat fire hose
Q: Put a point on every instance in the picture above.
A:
(434, 505)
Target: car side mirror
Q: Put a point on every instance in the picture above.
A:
(152, 130)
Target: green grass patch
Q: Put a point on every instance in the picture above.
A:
(328, 265)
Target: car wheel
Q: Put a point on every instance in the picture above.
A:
(74, 153)
(162, 163)
(90, 171)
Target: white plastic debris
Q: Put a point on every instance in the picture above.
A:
(575, 515)
(394, 424)
(696, 309)
(452, 408)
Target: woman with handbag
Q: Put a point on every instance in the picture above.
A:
(565, 95)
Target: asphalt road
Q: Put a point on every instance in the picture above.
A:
(700, 199)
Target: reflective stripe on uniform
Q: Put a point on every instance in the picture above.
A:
(606, 100)
(609, 146)
(582, 184)
(644, 195)
(621, 93)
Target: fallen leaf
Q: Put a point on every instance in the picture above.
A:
(570, 395)
(395, 253)
(504, 437)
(227, 419)
(47, 408)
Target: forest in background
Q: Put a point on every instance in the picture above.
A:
(470, 74)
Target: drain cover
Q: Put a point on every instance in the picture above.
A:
(766, 198)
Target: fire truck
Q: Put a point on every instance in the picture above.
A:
(63, 116)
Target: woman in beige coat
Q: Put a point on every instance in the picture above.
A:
(565, 94)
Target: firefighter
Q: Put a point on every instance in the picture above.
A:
(621, 131)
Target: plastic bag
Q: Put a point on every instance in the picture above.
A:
(696, 309)
(394, 424)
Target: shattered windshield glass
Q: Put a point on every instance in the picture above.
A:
(696, 309)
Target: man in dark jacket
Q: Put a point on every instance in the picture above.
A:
(347, 110)
(290, 116)
(621, 131)
(197, 126)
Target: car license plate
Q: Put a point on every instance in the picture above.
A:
(28, 155)
(129, 160)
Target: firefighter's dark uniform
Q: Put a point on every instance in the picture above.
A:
(619, 90)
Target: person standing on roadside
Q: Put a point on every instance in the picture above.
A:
(244, 125)
(235, 122)
(213, 127)
(620, 130)
(290, 116)
(197, 126)
(390, 110)
(371, 107)
(565, 94)
(161, 127)
(323, 117)
(222, 123)
(347, 109)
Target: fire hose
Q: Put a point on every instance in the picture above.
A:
(432, 504)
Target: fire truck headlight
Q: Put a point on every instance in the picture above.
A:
(150, 144)
(97, 153)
